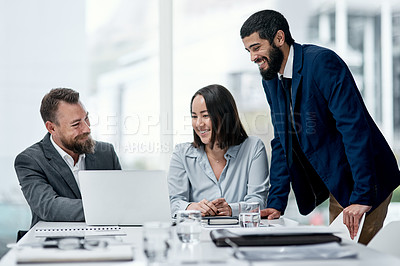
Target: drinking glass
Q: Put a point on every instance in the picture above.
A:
(188, 226)
(156, 237)
(249, 214)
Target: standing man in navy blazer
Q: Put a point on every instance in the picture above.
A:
(325, 142)
(48, 170)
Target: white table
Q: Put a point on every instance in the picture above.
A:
(205, 252)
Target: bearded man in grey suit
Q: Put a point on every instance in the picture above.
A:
(48, 170)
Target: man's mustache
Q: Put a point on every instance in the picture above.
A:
(82, 136)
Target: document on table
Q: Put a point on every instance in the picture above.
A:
(284, 230)
(344, 232)
(44, 255)
(323, 251)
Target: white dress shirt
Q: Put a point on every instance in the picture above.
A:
(75, 168)
(288, 71)
(245, 176)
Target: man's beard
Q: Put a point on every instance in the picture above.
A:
(80, 147)
(274, 63)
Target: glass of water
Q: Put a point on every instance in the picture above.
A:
(156, 237)
(188, 226)
(249, 214)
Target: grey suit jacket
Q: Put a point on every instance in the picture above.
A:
(49, 185)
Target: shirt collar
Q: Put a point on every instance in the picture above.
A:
(232, 151)
(288, 71)
(68, 158)
(197, 152)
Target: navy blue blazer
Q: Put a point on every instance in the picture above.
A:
(335, 132)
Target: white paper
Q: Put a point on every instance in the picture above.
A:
(298, 252)
(344, 232)
(284, 230)
(42, 255)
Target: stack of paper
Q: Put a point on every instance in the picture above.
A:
(43, 255)
(303, 252)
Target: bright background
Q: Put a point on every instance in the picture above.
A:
(109, 51)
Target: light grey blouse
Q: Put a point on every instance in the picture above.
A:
(244, 178)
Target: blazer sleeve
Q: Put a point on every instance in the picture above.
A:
(335, 82)
(279, 175)
(43, 200)
(178, 183)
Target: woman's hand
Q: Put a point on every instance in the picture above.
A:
(206, 207)
(223, 208)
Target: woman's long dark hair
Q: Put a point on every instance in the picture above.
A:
(227, 130)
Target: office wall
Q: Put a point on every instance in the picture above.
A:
(42, 46)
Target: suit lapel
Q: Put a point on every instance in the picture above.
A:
(277, 98)
(297, 66)
(58, 163)
(90, 162)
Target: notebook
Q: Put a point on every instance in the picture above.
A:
(81, 231)
(121, 197)
(221, 220)
(267, 236)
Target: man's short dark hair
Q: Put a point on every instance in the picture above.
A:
(227, 130)
(266, 23)
(50, 101)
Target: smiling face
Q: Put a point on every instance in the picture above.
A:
(201, 120)
(269, 58)
(72, 130)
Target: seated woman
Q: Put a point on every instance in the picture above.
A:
(222, 166)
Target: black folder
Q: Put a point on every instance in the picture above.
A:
(218, 236)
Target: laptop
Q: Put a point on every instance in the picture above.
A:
(121, 197)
